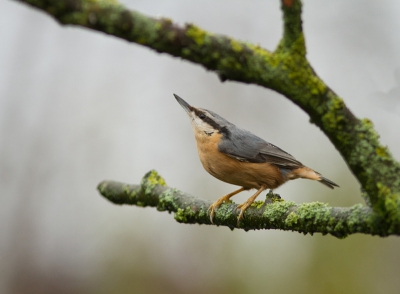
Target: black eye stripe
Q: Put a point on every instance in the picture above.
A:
(200, 114)
(221, 129)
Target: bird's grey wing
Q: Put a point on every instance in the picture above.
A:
(247, 147)
(277, 156)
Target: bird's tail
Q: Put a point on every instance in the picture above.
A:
(308, 173)
(327, 182)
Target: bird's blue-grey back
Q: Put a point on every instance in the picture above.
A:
(245, 146)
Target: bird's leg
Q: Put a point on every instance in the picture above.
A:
(248, 202)
(217, 203)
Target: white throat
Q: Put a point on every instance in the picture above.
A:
(199, 125)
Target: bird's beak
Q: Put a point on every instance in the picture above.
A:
(184, 104)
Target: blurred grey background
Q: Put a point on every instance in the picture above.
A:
(78, 106)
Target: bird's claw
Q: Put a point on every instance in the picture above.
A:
(241, 214)
(211, 212)
(214, 206)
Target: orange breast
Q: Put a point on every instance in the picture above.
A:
(230, 170)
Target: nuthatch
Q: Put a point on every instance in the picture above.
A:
(238, 157)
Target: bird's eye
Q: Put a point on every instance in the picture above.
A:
(202, 115)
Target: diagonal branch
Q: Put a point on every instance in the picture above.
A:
(286, 70)
(274, 213)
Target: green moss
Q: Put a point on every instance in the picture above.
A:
(298, 47)
(150, 180)
(338, 226)
(224, 212)
(167, 200)
(271, 197)
(291, 219)
(236, 46)
(316, 86)
(277, 210)
(333, 118)
(182, 215)
(384, 191)
(186, 51)
(353, 220)
(293, 63)
(312, 217)
(202, 213)
(314, 210)
(257, 204)
(388, 206)
(155, 179)
(264, 54)
(216, 55)
(196, 34)
(141, 40)
(392, 205)
(132, 194)
(382, 152)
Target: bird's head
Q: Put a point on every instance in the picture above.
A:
(204, 122)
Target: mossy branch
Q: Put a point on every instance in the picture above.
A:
(274, 213)
(285, 70)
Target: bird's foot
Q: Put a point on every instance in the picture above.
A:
(215, 205)
(247, 203)
(242, 207)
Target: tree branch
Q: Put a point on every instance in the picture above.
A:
(286, 70)
(292, 24)
(274, 213)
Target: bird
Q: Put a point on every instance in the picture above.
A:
(237, 156)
